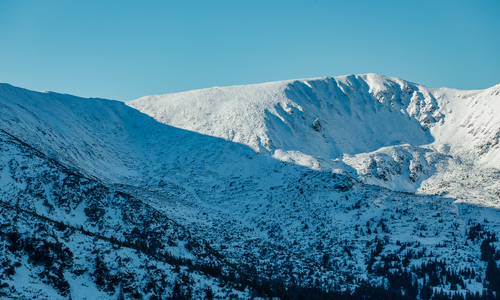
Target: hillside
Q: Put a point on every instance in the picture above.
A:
(321, 187)
(383, 131)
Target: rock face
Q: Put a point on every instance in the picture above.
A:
(316, 125)
(307, 188)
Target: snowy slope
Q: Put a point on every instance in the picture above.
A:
(318, 181)
(472, 126)
(104, 139)
(382, 130)
(87, 134)
(279, 117)
(64, 235)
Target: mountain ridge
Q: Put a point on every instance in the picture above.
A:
(329, 184)
(280, 121)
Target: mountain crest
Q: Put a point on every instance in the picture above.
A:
(358, 186)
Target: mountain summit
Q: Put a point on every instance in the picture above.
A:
(354, 123)
(353, 186)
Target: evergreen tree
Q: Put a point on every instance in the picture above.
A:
(492, 275)
(209, 294)
(487, 251)
(177, 293)
(426, 292)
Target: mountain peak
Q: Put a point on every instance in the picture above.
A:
(280, 115)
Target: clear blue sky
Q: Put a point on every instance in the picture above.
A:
(127, 49)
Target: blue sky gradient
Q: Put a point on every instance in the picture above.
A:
(127, 49)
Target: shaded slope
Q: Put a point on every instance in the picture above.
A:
(65, 235)
(107, 140)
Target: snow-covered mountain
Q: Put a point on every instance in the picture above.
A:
(326, 187)
(383, 131)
